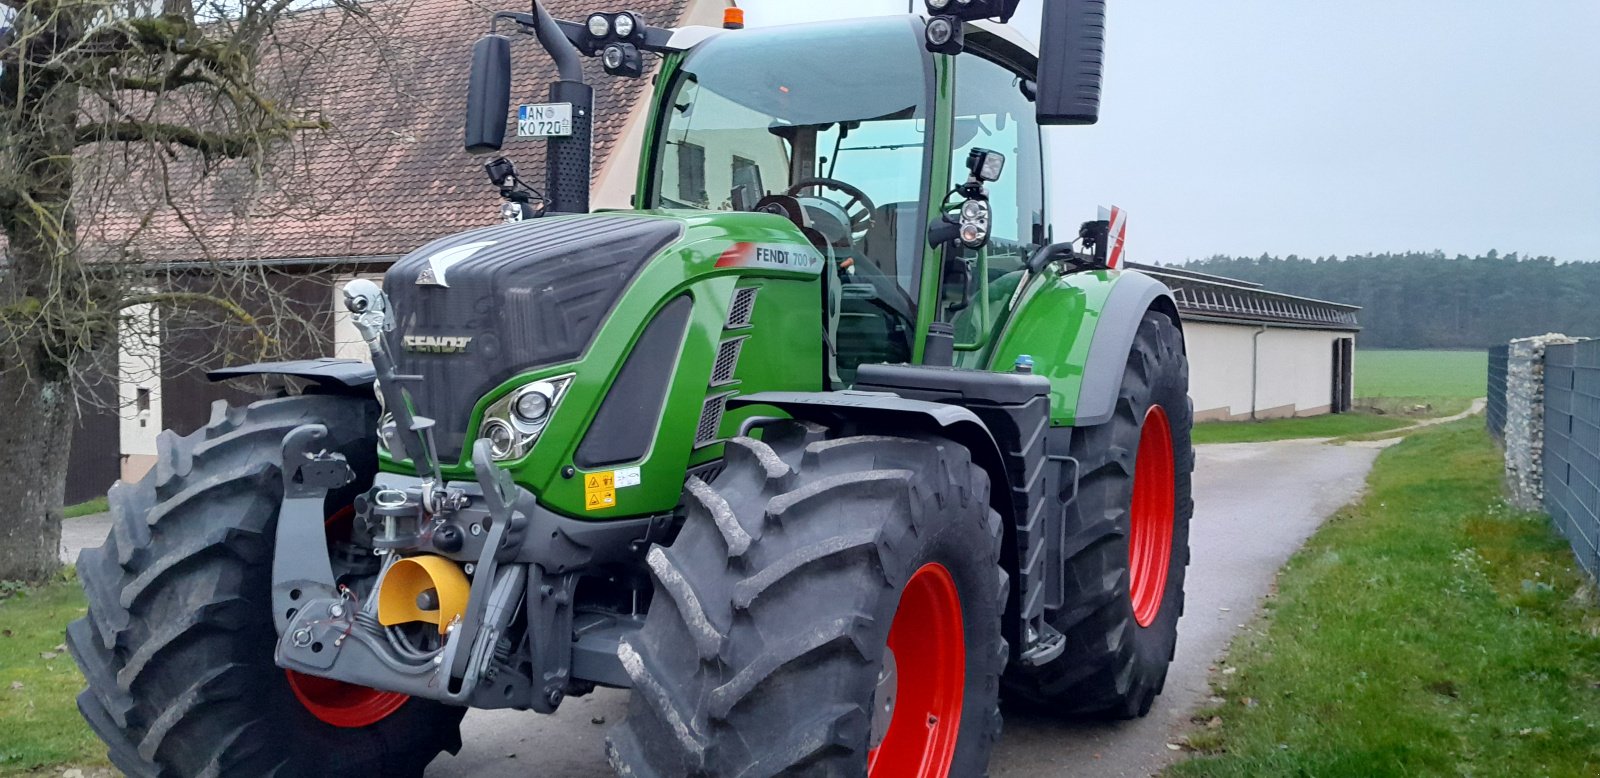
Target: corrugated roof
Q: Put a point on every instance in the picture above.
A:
(392, 174)
(1217, 298)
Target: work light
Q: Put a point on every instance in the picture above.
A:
(622, 59)
(599, 26)
(986, 165)
(944, 35)
(625, 24)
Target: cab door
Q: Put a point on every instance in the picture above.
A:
(992, 110)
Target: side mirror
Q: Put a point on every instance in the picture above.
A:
(1070, 61)
(488, 94)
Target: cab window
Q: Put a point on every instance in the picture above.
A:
(992, 112)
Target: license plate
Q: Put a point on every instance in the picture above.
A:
(545, 120)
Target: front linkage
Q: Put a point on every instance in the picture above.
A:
(518, 555)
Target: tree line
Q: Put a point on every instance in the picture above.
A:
(1429, 300)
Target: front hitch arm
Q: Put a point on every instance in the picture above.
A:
(301, 570)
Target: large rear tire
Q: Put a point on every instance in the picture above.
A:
(817, 582)
(1127, 543)
(178, 642)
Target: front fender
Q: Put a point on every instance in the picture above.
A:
(1078, 328)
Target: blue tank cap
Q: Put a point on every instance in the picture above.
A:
(1024, 363)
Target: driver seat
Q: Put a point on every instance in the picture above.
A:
(894, 233)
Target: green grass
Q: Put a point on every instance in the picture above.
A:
(97, 505)
(39, 722)
(1410, 374)
(1334, 425)
(1427, 630)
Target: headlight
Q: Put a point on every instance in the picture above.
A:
(599, 26)
(502, 440)
(625, 25)
(533, 403)
(512, 424)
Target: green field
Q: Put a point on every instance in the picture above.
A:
(1386, 373)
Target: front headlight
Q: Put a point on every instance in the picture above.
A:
(513, 423)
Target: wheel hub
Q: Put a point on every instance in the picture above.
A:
(883, 698)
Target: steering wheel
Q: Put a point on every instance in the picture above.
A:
(859, 220)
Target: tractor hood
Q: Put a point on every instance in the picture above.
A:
(477, 308)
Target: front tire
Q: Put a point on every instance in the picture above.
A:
(815, 583)
(1126, 544)
(178, 641)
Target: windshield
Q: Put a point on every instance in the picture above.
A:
(753, 113)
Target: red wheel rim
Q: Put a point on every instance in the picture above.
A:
(343, 704)
(336, 702)
(928, 648)
(1151, 516)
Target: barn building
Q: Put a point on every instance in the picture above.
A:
(1259, 354)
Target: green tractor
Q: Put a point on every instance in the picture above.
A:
(820, 452)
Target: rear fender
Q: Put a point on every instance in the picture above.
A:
(330, 376)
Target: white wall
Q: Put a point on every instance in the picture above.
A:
(138, 389)
(1294, 371)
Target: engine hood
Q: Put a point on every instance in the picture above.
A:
(477, 308)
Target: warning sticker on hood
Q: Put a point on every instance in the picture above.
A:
(772, 256)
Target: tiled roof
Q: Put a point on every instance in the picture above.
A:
(392, 174)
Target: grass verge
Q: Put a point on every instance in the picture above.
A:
(1332, 425)
(97, 505)
(39, 722)
(1427, 630)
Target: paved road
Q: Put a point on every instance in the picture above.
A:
(1255, 504)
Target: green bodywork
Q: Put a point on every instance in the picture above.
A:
(1052, 319)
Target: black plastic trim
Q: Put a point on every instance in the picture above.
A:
(630, 414)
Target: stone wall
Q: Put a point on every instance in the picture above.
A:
(1524, 430)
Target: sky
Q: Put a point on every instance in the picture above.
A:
(1263, 126)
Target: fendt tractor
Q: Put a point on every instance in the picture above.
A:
(821, 451)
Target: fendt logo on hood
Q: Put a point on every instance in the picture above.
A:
(437, 344)
(433, 274)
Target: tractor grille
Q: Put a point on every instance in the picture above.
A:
(711, 419)
(744, 304)
(727, 362)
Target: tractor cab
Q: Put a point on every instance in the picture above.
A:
(779, 121)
